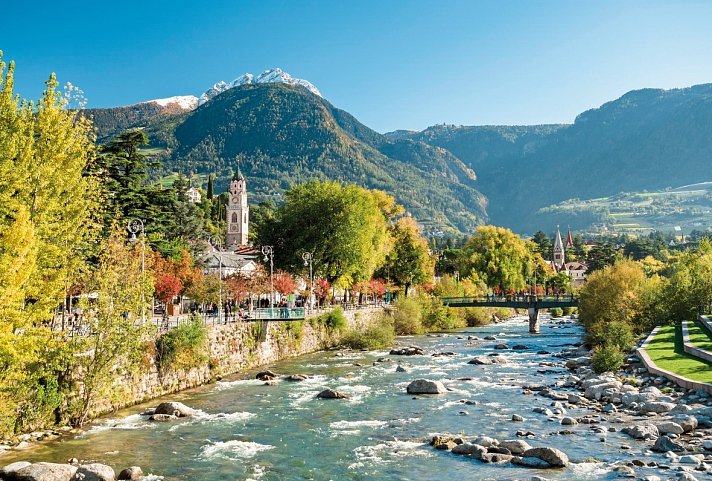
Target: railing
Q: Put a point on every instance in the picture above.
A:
(163, 324)
(513, 301)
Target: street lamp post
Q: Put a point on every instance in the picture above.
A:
(215, 242)
(308, 260)
(135, 226)
(268, 252)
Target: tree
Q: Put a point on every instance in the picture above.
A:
(498, 257)
(210, 192)
(284, 283)
(409, 261)
(343, 226)
(600, 256)
(167, 287)
(322, 288)
(115, 339)
(47, 233)
(543, 245)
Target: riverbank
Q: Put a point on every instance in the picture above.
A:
(230, 348)
(245, 429)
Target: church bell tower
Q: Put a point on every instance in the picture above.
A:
(559, 259)
(238, 212)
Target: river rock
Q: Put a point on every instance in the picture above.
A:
(530, 462)
(519, 347)
(175, 409)
(331, 394)
(8, 472)
(687, 423)
(501, 346)
(668, 427)
(664, 444)
(496, 458)
(517, 417)
(656, 407)
(686, 477)
(470, 449)
(162, 417)
(133, 473)
(553, 456)
(401, 369)
(480, 361)
(642, 431)
(407, 351)
(516, 446)
(445, 443)
(707, 444)
(490, 338)
(693, 459)
(577, 362)
(297, 377)
(574, 399)
(425, 386)
(46, 472)
(624, 471)
(266, 375)
(568, 421)
(486, 441)
(94, 472)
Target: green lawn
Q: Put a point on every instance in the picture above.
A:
(666, 351)
(699, 336)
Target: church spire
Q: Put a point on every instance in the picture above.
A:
(238, 175)
(558, 251)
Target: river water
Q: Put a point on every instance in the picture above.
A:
(248, 431)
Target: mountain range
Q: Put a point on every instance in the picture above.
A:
(283, 131)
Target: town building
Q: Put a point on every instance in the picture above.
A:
(193, 195)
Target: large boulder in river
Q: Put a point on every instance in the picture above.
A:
(133, 473)
(175, 409)
(642, 431)
(297, 377)
(670, 427)
(480, 361)
(470, 449)
(94, 472)
(46, 472)
(656, 407)
(686, 422)
(515, 446)
(530, 462)
(8, 472)
(331, 394)
(664, 444)
(425, 386)
(266, 375)
(555, 458)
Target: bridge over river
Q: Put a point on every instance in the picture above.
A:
(531, 303)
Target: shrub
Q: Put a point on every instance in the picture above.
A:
(566, 311)
(607, 358)
(378, 335)
(334, 319)
(556, 312)
(407, 317)
(183, 346)
(437, 317)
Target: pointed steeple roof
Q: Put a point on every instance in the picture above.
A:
(569, 239)
(558, 243)
(238, 175)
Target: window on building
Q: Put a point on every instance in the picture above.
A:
(234, 217)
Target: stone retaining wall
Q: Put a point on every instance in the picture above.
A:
(691, 348)
(654, 369)
(231, 348)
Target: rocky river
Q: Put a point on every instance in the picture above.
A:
(505, 391)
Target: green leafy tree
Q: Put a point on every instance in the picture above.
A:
(115, 337)
(498, 257)
(409, 261)
(343, 226)
(600, 256)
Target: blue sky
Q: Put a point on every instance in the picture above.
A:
(392, 63)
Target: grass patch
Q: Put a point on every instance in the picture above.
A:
(699, 336)
(667, 352)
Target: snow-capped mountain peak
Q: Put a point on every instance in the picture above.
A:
(185, 102)
(275, 75)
